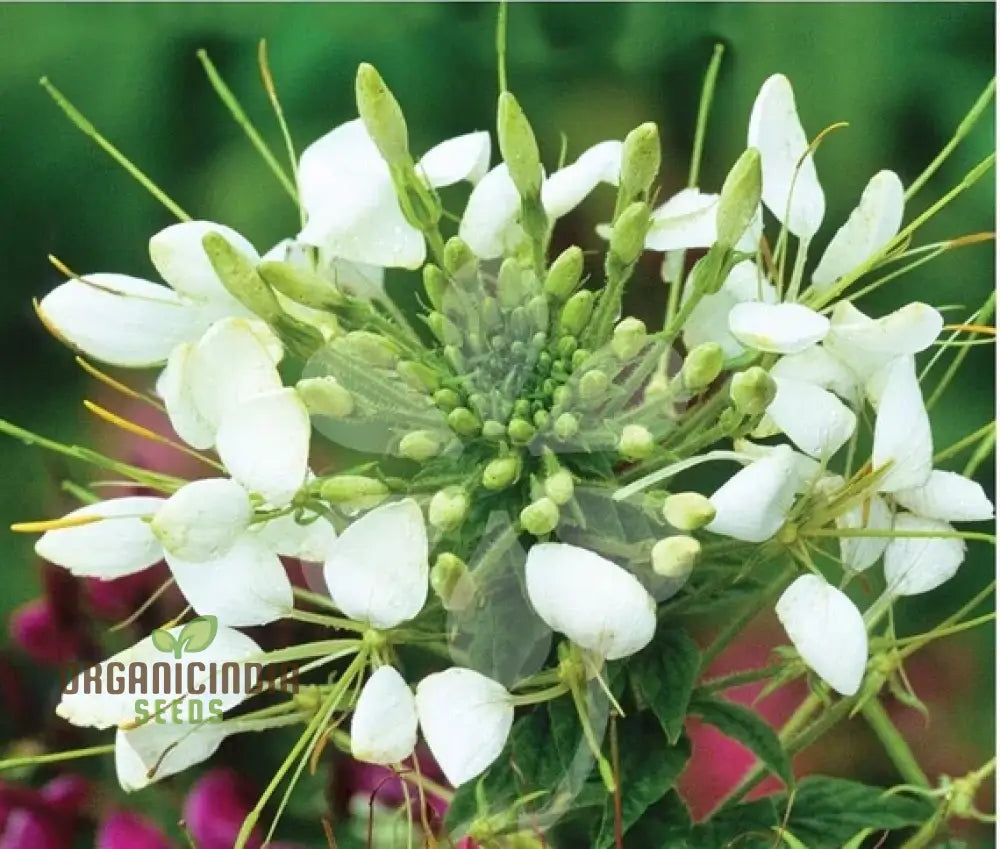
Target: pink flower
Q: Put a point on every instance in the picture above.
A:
(38, 632)
(126, 830)
(215, 808)
(42, 819)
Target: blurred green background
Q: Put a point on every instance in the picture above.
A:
(902, 75)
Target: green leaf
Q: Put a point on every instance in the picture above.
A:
(198, 634)
(648, 768)
(664, 676)
(747, 826)
(828, 812)
(163, 639)
(746, 727)
(665, 824)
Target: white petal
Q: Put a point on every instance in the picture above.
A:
(363, 281)
(179, 257)
(777, 328)
(174, 386)
(687, 220)
(350, 203)
(807, 470)
(948, 496)
(902, 430)
(827, 630)
(121, 320)
(792, 192)
(566, 188)
(818, 366)
(203, 519)
(163, 749)
(489, 224)
(122, 544)
(264, 444)
(231, 363)
(908, 330)
(466, 719)
(754, 503)
(310, 540)
(872, 224)
(245, 586)
(377, 570)
(384, 725)
(597, 604)
(915, 565)
(814, 419)
(104, 709)
(461, 158)
(858, 553)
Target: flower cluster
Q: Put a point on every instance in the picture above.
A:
(519, 441)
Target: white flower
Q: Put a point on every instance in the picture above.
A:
(827, 630)
(157, 750)
(593, 601)
(384, 725)
(131, 322)
(352, 212)
(490, 222)
(872, 224)
(754, 503)
(777, 328)
(915, 565)
(814, 419)
(377, 570)
(902, 440)
(687, 220)
(791, 189)
(203, 520)
(466, 719)
(858, 553)
(947, 496)
(817, 365)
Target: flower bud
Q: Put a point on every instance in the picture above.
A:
(521, 432)
(447, 399)
(354, 491)
(541, 418)
(640, 161)
(490, 315)
(518, 146)
(451, 581)
(710, 272)
(448, 508)
(701, 366)
(443, 328)
(370, 348)
(674, 557)
(593, 385)
(688, 511)
(464, 422)
(566, 426)
(300, 285)
(501, 472)
(580, 357)
(559, 486)
(739, 199)
(382, 117)
(628, 236)
(324, 396)
(564, 274)
(538, 312)
(239, 275)
(458, 257)
(752, 391)
(418, 376)
(540, 517)
(576, 312)
(420, 445)
(629, 338)
(510, 284)
(494, 430)
(454, 357)
(636, 442)
(435, 285)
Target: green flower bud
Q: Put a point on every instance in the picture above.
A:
(710, 272)
(239, 275)
(562, 396)
(566, 426)
(520, 323)
(510, 284)
(353, 491)
(579, 358)
(418, 376)
(739, 199)
(501, 472)
(522, 408)
(302, 286)
(382, 117)
(521, 432)
(459, 259)
(455, 358)
(636, 442)
(538, 312)
(443, 328)
(540, 517)
(593, 385)
(565, 273)
(559, 486)
(629, 338)
(518, 146)
(640, 161)
(370, 348)
(494, 430)
(752, 391)
(490, 315)
(628, 236)
(447, 399)
(702, 365)
(674, 557)
(566, 346)
(688, 511)
(480, 403)
(541, 418)
(435, 285)
(324, 396)
(420, 445)
(464, 422)
(448, 508)
(451, 581)
(576, 312)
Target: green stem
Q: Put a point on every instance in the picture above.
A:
(987, 429)
(56, 757)
(704, 109)
(892, 741)
(735, 679)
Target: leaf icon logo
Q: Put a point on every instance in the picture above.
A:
(195, 636)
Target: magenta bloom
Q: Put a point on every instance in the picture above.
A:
(126, 830)
(42, 819)
(215, 808)
(37, 630)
